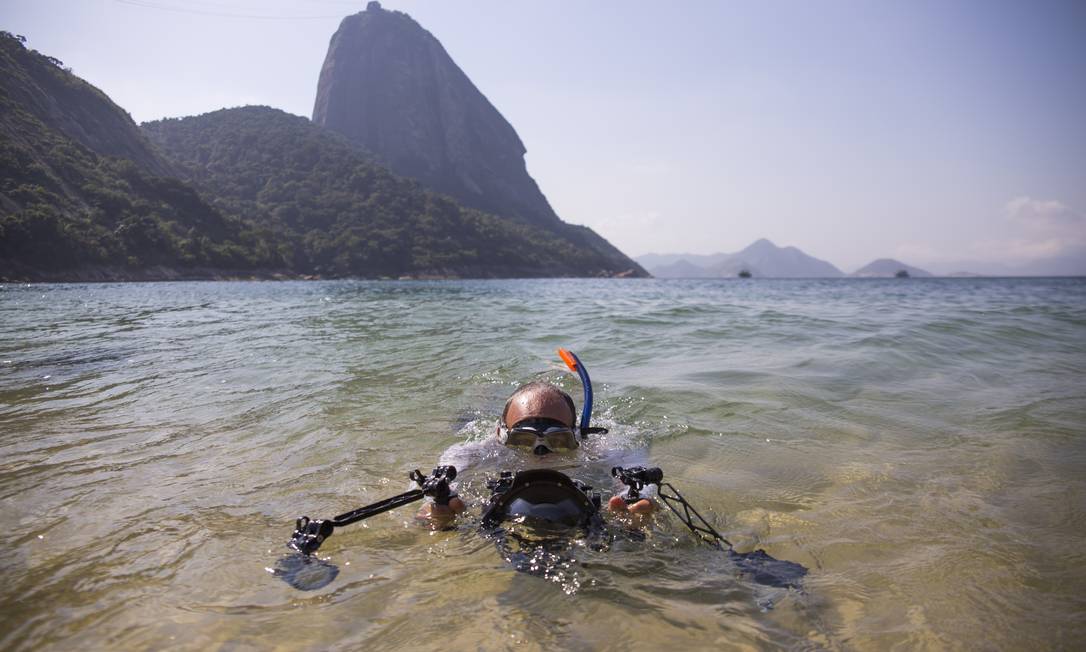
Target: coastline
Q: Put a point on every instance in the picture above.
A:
(163, 273)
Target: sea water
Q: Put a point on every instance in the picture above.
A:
(918, 444)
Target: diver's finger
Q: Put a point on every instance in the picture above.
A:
(456, 505)
(643, 506)
(423, 515)
(616, 504)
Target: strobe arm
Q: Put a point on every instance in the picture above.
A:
(757, 565)
(637, 477)
(310, 534)
(690, 516)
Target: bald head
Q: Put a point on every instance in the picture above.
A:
(539, 400)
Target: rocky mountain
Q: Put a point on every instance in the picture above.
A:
(762, 259)
(388, 85)
(82, 191)
(888, 267)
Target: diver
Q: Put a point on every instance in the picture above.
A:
(541, 418)
(532, 513)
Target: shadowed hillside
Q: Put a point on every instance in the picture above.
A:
(83, 193)
(344, 215)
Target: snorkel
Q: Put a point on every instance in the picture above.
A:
(574, 364)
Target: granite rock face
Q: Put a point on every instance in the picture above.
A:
(388, 85)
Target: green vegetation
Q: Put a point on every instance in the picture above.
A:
(65, 206)
(340, 214)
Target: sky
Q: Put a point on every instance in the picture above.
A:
(948, 134)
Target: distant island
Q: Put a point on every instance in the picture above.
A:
(888, 267)
(763, 259)
(253, 192)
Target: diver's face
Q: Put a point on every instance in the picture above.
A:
(538, 406)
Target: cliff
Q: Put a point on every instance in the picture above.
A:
(388, 85)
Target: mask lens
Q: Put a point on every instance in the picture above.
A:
(520, 437)
(560, 438)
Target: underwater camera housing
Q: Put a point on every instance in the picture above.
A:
(542, 498)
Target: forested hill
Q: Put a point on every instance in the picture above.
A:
(345, 215)
(81, 191)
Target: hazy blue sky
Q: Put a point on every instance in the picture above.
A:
(946, 133)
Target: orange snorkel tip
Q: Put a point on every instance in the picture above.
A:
(568, 358)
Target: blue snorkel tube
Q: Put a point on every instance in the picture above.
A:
(574, 364)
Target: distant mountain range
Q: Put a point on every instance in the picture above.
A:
(764, 259)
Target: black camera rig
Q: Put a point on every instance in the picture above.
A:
(310, 534)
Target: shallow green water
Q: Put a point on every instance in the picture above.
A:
(919, 445)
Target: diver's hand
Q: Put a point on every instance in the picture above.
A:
(636, 512)
(440, 517)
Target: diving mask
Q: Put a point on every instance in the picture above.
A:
(531, 433)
